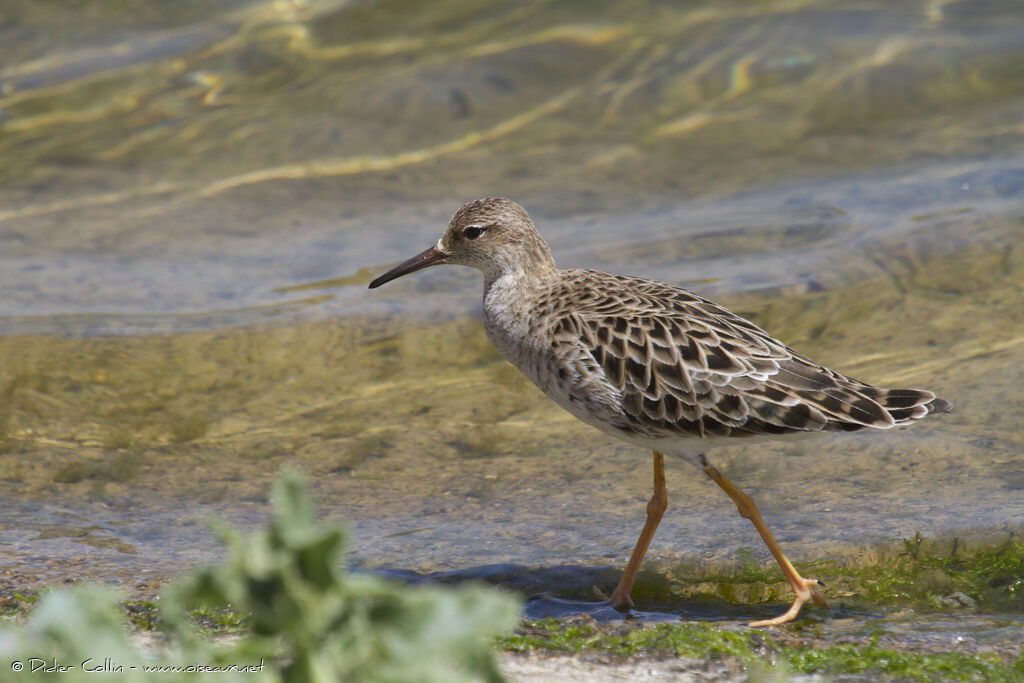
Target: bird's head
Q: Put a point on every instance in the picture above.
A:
(493, 235)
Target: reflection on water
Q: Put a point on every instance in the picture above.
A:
(204, 159)
(191, 204)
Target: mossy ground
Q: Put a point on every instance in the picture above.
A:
(919, 577)
(143, 615)
(758, 652)
(919, 573)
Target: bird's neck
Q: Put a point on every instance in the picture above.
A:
(519, 277)
(514, 282)
(509, 303)
(523, 268)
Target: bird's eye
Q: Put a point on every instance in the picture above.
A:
(472, 233)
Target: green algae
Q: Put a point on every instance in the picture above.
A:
(758, 652)
(855, 659)
(690, 640)
(144, 615)
(926, 574)
(928, 579)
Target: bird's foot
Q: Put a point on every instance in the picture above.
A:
(622, 602)
(805, 589)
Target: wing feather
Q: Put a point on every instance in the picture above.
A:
(680, 364)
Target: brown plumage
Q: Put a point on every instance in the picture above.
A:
(684, 366)
(653, 364)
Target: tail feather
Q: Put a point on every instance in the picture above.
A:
(903, 414)
(910, 404)
(898, 398)
(901, 405)
(939, 405)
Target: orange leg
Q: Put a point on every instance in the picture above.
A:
(655, 509)
(803, 588)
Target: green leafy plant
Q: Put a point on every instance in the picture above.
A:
(306, 620)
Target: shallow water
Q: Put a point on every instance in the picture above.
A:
(191, 206)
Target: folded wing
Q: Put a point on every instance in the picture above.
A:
(678, 363)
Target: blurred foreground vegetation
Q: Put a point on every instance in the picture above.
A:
(305, 619)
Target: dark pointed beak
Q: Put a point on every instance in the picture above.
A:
(430, 257)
